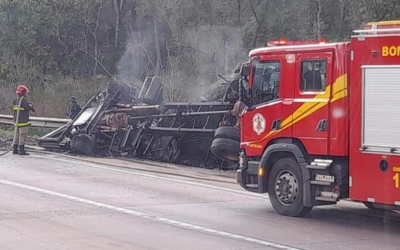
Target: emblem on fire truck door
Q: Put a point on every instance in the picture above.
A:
(258, 123)
(290, 58)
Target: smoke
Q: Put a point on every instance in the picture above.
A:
(217, 50)
(129, 66)
(191, 67)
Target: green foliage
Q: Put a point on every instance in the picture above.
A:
(50, 98)
(6, 132)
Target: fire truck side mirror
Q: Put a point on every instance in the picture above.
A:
(245, 69)
(243, 92)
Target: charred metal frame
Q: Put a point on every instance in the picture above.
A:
(169, 132)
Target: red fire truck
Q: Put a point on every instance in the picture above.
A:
(322, 121)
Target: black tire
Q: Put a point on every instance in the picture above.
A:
(226, 149)
(83, 144)
(285, 188)
(227, 132)
(371, 206)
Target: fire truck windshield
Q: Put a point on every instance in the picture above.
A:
(266, 79)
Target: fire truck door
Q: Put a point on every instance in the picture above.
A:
(311, 101)
(263, 119)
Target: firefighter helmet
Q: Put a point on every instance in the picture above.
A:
(22, 90)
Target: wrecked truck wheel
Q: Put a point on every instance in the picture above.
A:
(83, 144)
(228, 133)
(285, 188)
(226, 149)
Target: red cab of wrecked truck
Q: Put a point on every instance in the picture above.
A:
(322, 121)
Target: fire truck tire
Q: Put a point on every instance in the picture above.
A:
(227, 132)
(371, 206)
(285, 188)
(226, 149)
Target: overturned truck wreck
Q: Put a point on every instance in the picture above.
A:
(115, 123)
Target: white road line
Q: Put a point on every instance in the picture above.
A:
(163, 220)
(133, 172)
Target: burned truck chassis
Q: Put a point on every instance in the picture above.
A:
(179, 133)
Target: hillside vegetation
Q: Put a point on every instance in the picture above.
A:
(74, 47)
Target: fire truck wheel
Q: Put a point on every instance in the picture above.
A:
(227, 132)
(371, 206)
(285, 188)
(226, 149)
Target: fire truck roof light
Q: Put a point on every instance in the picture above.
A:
(322, 41)
(282, 41)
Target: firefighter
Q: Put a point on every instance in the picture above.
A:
(312, 77)
(267, 76)
(23, 121)
(275, 82)
(75, 109)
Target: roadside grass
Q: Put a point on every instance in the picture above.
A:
(6, 132)
(50, 97)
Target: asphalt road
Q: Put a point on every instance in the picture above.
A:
(48, 202)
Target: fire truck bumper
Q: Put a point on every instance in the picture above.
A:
(247, 176)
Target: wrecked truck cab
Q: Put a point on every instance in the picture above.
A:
(84, 117)
(88, 111)
(81, 128)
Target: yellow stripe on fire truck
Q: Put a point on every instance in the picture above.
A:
(339, 91)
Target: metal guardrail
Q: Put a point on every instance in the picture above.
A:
(43, 122)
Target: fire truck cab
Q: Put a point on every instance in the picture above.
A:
(322, 121)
